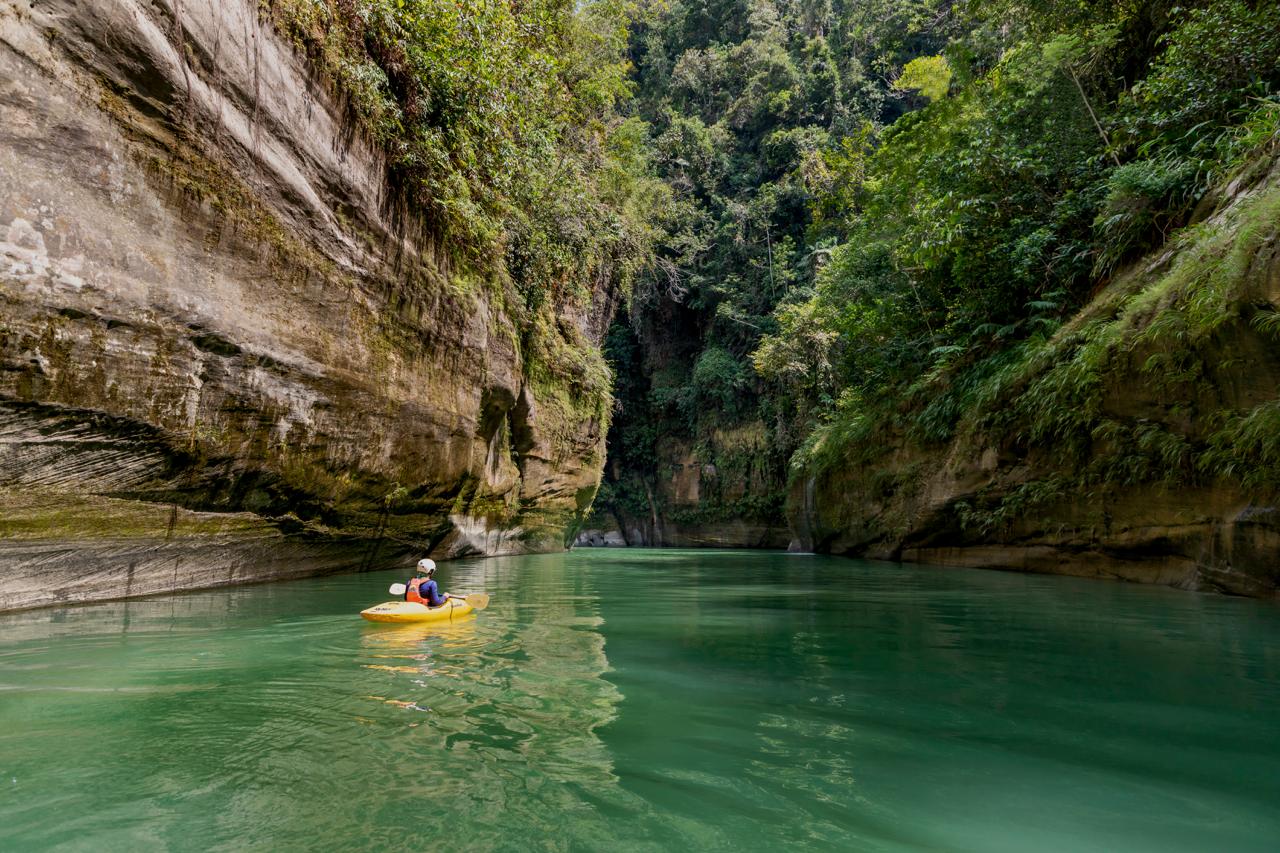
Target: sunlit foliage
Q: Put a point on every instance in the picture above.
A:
(504, 124)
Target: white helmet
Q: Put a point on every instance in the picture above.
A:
(427, 565)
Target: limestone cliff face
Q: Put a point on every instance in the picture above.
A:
(702, 495)
(232, 353)
(1140, 443)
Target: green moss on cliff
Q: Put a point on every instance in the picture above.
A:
(31, 514)
(1140, 390)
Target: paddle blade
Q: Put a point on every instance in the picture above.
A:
(397, 589)
(478, 600)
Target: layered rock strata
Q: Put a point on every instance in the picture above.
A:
(229, 351)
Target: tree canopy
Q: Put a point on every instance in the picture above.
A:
(876, 205)
(825, 213)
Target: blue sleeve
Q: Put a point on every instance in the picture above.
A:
(432, 594)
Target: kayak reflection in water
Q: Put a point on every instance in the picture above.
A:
(422, 588)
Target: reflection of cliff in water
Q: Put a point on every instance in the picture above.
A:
(488, 724)
(532, 684)
(275, 712)
(205, 609)
(501, 713)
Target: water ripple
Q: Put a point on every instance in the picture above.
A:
(781, 703)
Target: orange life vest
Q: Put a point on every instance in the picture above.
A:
(411, 591)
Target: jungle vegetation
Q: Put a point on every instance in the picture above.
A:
(884, 210)
(832, 219)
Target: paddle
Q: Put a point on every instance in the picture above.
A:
(477, 600)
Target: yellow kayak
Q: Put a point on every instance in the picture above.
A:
(412, 611)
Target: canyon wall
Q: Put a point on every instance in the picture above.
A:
(1140, 443)
(229, 350)
(699, 495)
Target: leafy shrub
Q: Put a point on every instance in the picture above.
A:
(718, 378)
(930, 75)
(1144, 199)
(1247, 448)
(1214, 59)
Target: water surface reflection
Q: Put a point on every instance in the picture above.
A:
(649, 700)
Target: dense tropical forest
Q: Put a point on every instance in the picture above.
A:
(884, 211)
(838, 227)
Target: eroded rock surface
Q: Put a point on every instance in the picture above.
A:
(232, 353)
(1153, 467)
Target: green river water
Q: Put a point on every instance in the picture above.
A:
(649, 700)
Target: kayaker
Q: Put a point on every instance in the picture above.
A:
(422, 588)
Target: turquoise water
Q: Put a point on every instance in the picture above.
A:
(649, 700)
